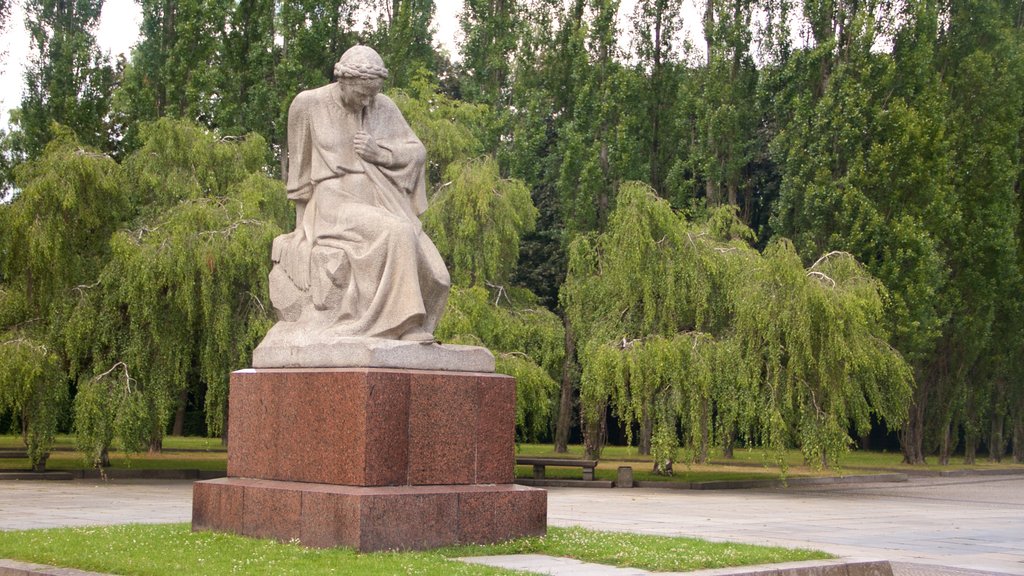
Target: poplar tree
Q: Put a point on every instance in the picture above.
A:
(864, 162)
(404, 39)
(981, 62)
(174, 66)
(248, 92)
(725, 115)
(67, 80)
(491, 32)
(656, 23)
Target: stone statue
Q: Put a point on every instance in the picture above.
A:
(358, 265)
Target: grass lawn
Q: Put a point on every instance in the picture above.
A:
(207, 454)
(744, 465)
(173, 549)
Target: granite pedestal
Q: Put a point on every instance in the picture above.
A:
(372, 459)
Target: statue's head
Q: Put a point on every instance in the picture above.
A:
(360, 63)
(360, 73)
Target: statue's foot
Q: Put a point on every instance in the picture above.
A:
(418, 335)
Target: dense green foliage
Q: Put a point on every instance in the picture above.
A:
(828, 237)
(687, 330)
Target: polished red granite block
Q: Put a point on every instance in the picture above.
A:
(252, 426)
(442, 430)
(386, 457)
(270, 510)
(375, 518)
(496, 430)
(408, 520)
(496, 516)
(217, 507)
(371, 427)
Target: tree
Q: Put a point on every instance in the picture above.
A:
(451, 130)
(685, 329)
(980, 59)
(404, 39)
(180, 301)
(476, 220)
(248, 94)
(52, 243)
(725, 116)
(174, 66)
(67, 80)
(490, 28)
(655, 25)
(864, 163)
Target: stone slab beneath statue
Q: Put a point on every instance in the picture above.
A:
(371, 426)
(369, 518)
(290, 345)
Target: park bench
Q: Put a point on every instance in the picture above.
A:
(540, 463)
(21, 454)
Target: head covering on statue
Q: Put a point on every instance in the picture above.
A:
(358, 265)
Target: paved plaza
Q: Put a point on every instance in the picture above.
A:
(968, 523)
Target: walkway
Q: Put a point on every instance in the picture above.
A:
(970, 523)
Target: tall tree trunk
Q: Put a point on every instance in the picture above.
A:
(646, 431)
(996, 444)
(564, 423)
(912, 435)
(705, 432)
(594, 433)
(179, 414)
(970, 447)
(947, 445)
(156, 440)
(1018, 439)
(224, 428)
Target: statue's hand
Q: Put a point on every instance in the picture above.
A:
(368, 149)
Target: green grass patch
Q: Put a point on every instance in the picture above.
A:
(853, 462)
(173, 549)
(65, 442)
(207, 454)
(656, 553)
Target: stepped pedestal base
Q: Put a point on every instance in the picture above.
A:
(372, 459)
(369, 518)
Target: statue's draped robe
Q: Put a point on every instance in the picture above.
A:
(358, 249)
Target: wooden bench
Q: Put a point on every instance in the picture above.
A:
(540, 463)
(23, 454)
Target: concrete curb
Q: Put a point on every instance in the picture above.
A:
(14, 568)
(114, 473)
(839, 567)
(559, 566)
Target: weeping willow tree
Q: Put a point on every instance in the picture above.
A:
(52, 242)
(450, 129)
(181, 301)
(693, 338)
(477, 220)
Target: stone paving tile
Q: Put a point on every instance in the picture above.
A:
(906, 569)
(965, 523)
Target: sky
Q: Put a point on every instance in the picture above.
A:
(119, 31)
